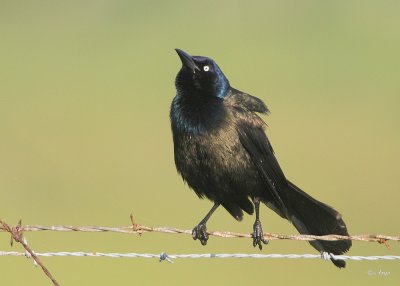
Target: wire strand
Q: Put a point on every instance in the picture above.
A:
(140, 229)
(164, 256)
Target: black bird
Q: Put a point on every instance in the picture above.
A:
(222, 152)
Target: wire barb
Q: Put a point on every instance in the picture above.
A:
(164, 256)
(17, 235)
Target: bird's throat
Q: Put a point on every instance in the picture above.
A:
(198, 114)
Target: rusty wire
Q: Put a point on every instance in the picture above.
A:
(140, 229)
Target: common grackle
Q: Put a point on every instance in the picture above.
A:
(222, 152)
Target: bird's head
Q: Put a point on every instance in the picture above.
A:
(200, 76)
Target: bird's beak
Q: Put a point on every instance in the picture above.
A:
(187, 60)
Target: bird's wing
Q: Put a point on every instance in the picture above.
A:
(251, 103)
(261, 153)
(250, 128)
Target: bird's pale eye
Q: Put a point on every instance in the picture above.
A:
(206, 68)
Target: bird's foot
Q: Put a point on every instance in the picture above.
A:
(200, 232)
(258, 235)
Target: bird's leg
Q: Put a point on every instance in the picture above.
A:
(200, 231)
(258, 235)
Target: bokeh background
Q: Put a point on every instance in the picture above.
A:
(85, 89)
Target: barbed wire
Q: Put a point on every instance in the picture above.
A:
(140, 229)
(169, 257)
(17, 235)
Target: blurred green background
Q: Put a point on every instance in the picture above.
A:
(85, 89)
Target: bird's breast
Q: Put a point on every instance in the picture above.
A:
(210, 154)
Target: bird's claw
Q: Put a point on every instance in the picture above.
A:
(200, 232)
(258, 235)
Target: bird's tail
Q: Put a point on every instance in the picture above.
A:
(310, 216)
